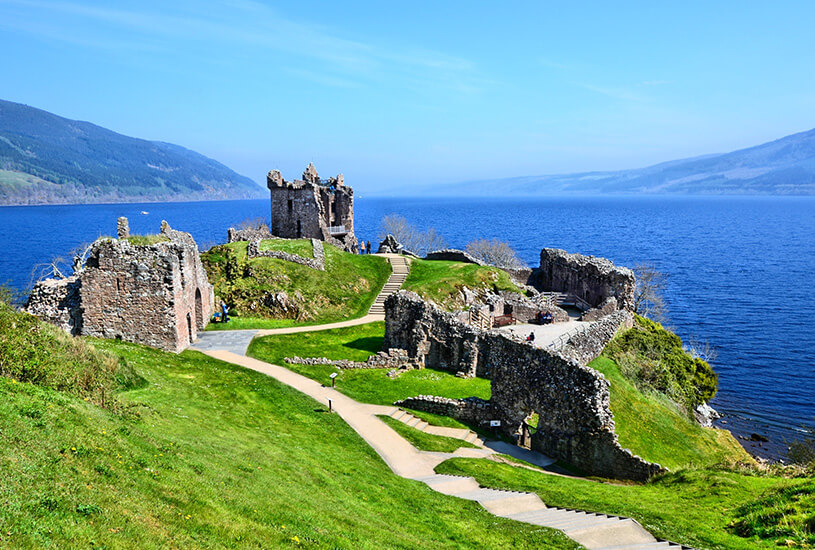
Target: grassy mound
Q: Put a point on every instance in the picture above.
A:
(654, 428)
(267, 289)
(365, 385)
(442, 281)
(425, 441)
(220, 457)
(39, 353)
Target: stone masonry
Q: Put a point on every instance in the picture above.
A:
(571, 399)
(587, 277)
(156, 294)
(312, 208)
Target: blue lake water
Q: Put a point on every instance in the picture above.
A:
(741, 270)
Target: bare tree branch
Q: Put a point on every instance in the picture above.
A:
(495, 252)
(648, 299)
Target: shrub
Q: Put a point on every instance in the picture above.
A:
(42, 354)
(654, 359)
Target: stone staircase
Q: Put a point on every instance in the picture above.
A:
(401, 268)
(415, 422)
(594, 531)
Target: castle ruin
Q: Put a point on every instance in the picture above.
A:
(154, 294)
(313, 208)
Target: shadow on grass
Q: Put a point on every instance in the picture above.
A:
(372, 344)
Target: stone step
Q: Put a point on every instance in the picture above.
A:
(450, 485)
(413, 421)
(472, 437)
(662, 545)
(421, 426)
(625, 529)
(515, 502)
(398, 414)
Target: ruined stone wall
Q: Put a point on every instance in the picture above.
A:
(256, 234)
(591, 279)
(156, 295)
(472, 410)
(307, 208)
(571, 399)
(317, 262)
(587, 345)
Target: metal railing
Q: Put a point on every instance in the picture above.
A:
(559, 342)
(478, 318)
(336, 230)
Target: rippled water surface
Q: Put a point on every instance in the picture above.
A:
(741, 270)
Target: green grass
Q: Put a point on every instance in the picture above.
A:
(700, 508)
(147, 240)
(300, 247)
(441, 281)
(246, 323)
(219, 457)
(652, 427)
(345, 290)
(424, 441)
(365, 385)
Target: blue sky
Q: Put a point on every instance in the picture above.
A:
(396, 94)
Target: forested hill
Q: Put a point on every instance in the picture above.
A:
(47, 159)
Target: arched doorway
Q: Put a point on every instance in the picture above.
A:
(199, 310)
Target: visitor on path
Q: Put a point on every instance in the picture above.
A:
(225, 312)
(531, 337)
(369, 247)
(362, 247)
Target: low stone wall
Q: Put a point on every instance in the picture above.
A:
(255, 234)
(571, 399)
(453, 255)
(608, 307)
(587, 345)
(589, 278)
(393, 358)
(472, 410)
(318, 262)
(58, 301)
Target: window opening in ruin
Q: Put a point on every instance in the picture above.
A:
(199, 309)
(528, 427)
(291, 205)
(299, 230)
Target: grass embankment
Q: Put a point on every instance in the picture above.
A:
(217, 457)
(425, 441)
(272, 293)
(708, 509)
(365, 385)
(442, 281)
(654, 428)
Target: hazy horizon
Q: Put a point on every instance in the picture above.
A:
(397, 99)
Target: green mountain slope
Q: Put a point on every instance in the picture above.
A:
(47, 159)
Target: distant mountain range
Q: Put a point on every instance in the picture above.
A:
(47, 159)
(782, 167)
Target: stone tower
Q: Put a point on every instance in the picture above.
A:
(312, 208)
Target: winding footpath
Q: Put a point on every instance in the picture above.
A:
(593, 531)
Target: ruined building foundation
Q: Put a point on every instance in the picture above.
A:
(155, 294)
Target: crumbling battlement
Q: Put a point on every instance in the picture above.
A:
(156, 294)
(312, 208)
(572, 400)
(587, 277)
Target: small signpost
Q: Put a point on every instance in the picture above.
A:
(333, 377)
(495, 423)
(329, 405)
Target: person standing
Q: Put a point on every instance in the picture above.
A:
(362, 247)
(369, 247)
(225, 311)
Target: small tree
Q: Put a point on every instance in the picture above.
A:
(803, 451)
(495, 252)
(409, 237)
(648, 300)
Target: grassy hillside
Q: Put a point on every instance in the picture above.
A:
(706, 509)
(45, 158)
(203, 454)
(442, 281)
(252, 287)
(653, 427)
(365, 385)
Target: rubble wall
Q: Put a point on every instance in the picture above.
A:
(591, 279)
